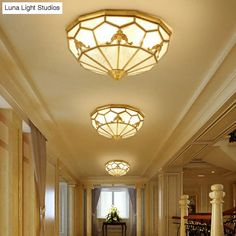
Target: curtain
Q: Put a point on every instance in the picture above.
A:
(95, 197)
(132, 197)
(39, 162)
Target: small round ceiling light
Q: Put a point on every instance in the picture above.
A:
(118, 42)
(117, 121)
(117, 167)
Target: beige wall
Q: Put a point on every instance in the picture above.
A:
(201, 187)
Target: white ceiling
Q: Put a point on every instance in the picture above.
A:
(202, 32)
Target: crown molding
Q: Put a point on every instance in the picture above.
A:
(217, 88)
(107, 180)
(17, 87)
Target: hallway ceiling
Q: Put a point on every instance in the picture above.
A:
(202, 32)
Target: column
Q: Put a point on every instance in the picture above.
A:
(170, 187)
(80, 205)
(184, 212)
(139, 210)
(89, 210)
(162, 225)
(71, 207)
(147, 208)
(217, 195)
(10, 173)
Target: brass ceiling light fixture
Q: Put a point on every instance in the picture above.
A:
(117, 167)
(117, 121)
(118, 42)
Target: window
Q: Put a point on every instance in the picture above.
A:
(119, 197)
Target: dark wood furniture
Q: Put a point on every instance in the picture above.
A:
(121, 224)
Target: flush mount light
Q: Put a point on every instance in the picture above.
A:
(117, 167)
(117, 121)
(118, 42)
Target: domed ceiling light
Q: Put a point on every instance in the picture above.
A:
(118, 42)
(117, 167)
(117, 121)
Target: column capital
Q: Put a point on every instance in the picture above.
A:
(140, 186)
(88, 186)
(184, 200)
(72, 185)
(217, 193)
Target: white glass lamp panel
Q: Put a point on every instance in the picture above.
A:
(105, 203)
(139, 57)
(141, 70)
(140, 117)
(94, 115)
(131, 112)
(104, 33)
(91, 24)
(139, 125)
(108, 167)
(115, 172)
(73, 31)
(125, 117)
(87, 60)
(134, 120)
(119, 20)
(117, 109)
(113, 127)
(152, 39)
(111, 53)
(101, 119)
(73, 48)
(110, 116)
(94, 124)
(148, 62)
(121, 203)
(146, 24)
(134, 34)
(86, 37)
(128, 129)
(107, 129)
(113, 165)
(103, 111)
(164, 34)
(121, 128)
(130, 134)
(88, 67)
(126, 53)
(162, 52)
(97, 56)
(103, 133)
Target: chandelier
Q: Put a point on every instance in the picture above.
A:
(117, 167)
(118, 42)
(117, 121)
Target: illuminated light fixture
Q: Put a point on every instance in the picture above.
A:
(118, 42)
(117, 167)
(201, 176)
(117, 121)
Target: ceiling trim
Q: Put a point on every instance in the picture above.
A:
(219, 89)
(206, 80)
(17, 88)
(209, 126)
(126, 180)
